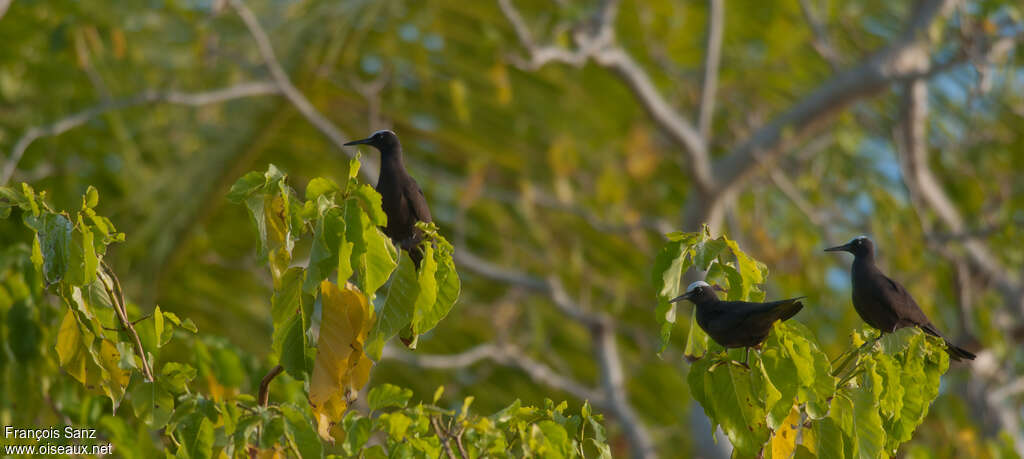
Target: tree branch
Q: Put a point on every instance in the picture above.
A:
(264, 394)
(599, 43)
(146, 97)
(712, 58)
(615, 387)
(927, 189)
(301, 103)
(505, 355)
(4, 4)
(906, 57)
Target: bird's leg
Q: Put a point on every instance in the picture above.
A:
(746, 358)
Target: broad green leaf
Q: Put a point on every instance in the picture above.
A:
(176, 376)
(152, 404)
(328, 235)
(197, 438)
(357, 432)
(320, 186)
(287, 300)
(729, 399)
(301, 433)
(752, 271)
(697, 340)
(91, 198)
(423, 316)
(813, 370)
(707, 251)
(53, 233)
(371, 203)
(398, 308)
(669, 265)
(374, 257)
(245, 186)
(387, 395)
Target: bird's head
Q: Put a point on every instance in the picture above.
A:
(858, 246)
(383, 140)
(699, 292)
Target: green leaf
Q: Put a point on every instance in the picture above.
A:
(291, 347)
(697, 341)
(727, 395)
(53, 234)
(23, 332)
(370, 201)
(320, 186)
(300, 431)
(398, 308)
(197, 438)
(91, 198)
(752, 271)
(669, 266)
(152, 404)
(426, 297)
(357, 432)
(328, 235)
(386, 395)
(176, 376)
(707, 251)
(374, 257)
(245, 186)
(89, 260)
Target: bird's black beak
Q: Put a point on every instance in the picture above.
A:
(359, 142)
(682, 297)
(839, 248)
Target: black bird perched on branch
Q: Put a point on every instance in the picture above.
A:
(736, 323)
(882, 302)
(403, 200)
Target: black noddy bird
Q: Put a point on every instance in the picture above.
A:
(736, 323)
(882, 302)
(402, 198)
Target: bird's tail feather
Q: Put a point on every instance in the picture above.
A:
(958, 353)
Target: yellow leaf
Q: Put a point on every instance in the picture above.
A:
(341, 368)
(71, 351)
(783, 443)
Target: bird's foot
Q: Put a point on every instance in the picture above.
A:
(727, 361)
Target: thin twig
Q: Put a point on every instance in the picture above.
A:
(146, 97)
(117, 299)
(443, 438)
(462, 449)
(284, 83)
(264, 394)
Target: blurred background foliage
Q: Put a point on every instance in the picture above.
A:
(557, 172)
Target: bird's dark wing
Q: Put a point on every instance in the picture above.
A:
(764, 314)
(416, 201)
(755, 315)
(906, 309)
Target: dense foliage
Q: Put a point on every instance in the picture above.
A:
(98, 343)
(556, 181)
(793, 399)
